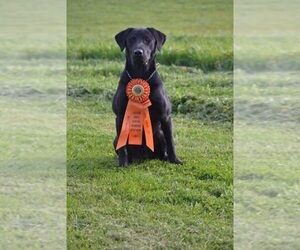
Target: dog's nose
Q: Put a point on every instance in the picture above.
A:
(138, 52)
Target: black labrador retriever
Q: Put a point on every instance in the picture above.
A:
(141, 46)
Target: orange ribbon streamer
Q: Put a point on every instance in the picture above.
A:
(137, 117)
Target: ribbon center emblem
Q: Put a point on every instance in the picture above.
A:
(137, 117)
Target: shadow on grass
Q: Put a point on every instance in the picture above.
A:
(106, 163)
(91, 164)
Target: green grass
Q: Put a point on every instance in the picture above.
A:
(33, 126)
(266, 122)
(266, 160)
(151, 204)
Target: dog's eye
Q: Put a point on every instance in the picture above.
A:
(146, 40)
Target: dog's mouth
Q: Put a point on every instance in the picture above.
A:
(140, 61)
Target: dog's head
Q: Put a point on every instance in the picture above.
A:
(140, 44)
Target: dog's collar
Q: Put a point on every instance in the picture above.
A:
(130, 77)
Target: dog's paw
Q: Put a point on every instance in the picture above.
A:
(163, 157)
(123, 162)
(175, 160)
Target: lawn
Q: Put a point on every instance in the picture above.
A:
(266, 125)
(153, 204)
(33, 125)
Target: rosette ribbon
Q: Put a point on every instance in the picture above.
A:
(137, 117)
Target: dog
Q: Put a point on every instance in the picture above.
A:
(141, 46)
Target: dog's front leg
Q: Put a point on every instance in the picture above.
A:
(166, 125)
(122, 152)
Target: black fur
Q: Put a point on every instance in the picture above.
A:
(140, 47)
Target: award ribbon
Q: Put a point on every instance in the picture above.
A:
(137, 117)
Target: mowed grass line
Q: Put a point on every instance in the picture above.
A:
(207, 53)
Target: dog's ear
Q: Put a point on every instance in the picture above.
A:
(121, 38)
(159, 37)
